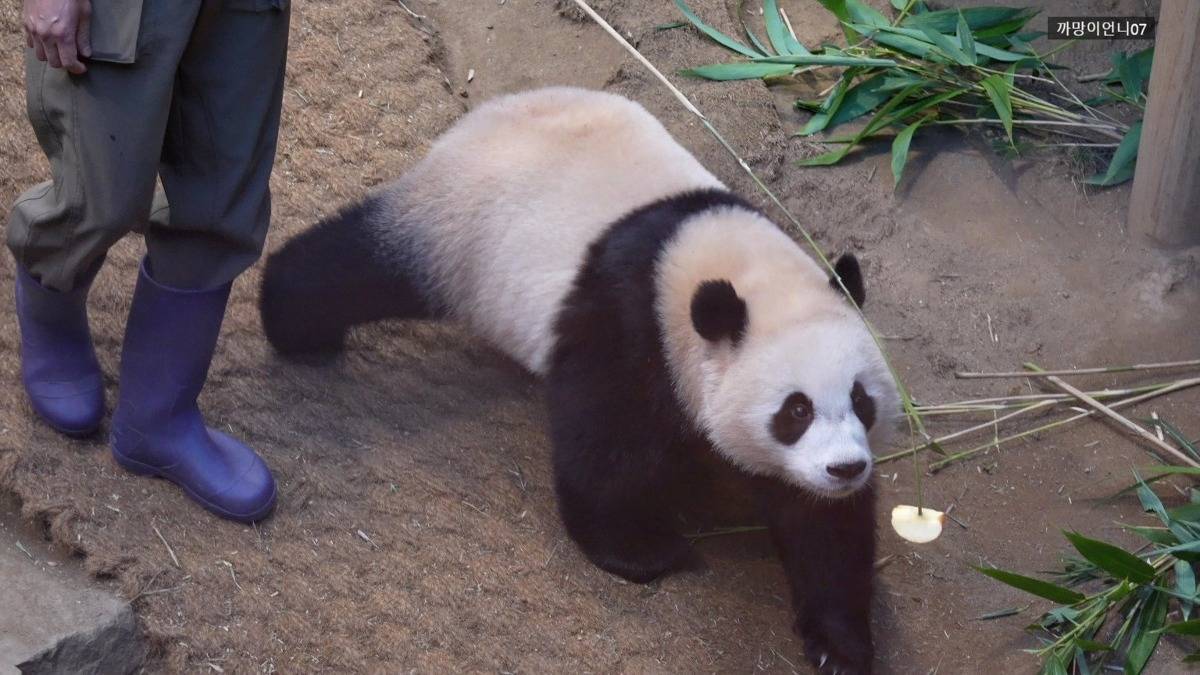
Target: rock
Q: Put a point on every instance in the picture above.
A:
(55, 619)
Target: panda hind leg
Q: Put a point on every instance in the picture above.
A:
(332, 277)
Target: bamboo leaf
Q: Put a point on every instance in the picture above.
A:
(1058, 617)
(717, 36)
(1007, 29)
(863, 13)
(999, 54)
(777, 31)
(877, 122)
(846, 104)
(1053, 665)
(1178, 549)
(1187, 513)
(1081, 663)
(919, 43)
(1131, 72)
(833, 100)
(826, 159)
(923, 104)
(746, 27)
(838, 9)
(999, 91)
(739, 71)
(1042, 589)
(1185, 628)
(884, 117)
(965, 40)
(881, 121)
(1185, 586)
(1001, 613)
(977, 18)
(825, 60)
(1154, 535)
(1151, 502)
(1146, 633)
(1117, 561)
(1092, 646)
(1120, 169)
(900, 150)
(1178, 436)
(946, 46)
(904, 43)
(1131, 80)
(1142, 63)
(1164, 471)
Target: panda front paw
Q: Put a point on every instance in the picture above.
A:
(838, 645)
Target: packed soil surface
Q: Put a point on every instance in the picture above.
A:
(416, 526)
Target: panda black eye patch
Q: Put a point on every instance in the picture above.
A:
(792, 419)
(863, 404)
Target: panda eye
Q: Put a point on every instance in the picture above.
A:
(802, 410)
(792, 419)
(863, 404)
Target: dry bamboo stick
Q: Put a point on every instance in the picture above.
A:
(1084, 371)
(1124, 421)
(1181, 384)
(959, 434)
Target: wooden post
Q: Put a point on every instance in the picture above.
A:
(1165, 203)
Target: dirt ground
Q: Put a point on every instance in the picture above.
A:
(416, 527)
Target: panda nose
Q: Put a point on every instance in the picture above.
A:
(847, 470)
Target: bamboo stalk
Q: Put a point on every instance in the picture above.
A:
(1102, 393)
(1099, 128)
(1083, 371)
(1124, 421)
(1077, 145)
(969, 430)
(1167, 389)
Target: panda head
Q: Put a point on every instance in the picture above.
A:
(803, 398)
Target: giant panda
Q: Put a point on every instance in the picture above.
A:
(669, 318)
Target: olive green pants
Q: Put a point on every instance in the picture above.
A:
(188, 91)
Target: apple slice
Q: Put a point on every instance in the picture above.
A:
(920, 526)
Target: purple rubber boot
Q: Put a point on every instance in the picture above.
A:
(157, 429)
(58, 363)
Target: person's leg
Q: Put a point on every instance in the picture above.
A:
(102, 133)
(216, 162)
(220, 145)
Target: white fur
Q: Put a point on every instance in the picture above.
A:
(506, 203)
(802, 336)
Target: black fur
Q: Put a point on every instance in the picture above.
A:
(334, 276)
(864, 405)
(620, 435)
(847, 268)
(828, 551)
(717, 311)
(623, 445)
(792, 419)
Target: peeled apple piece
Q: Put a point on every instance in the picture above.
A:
(920, 526)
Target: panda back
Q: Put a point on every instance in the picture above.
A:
(505, 205)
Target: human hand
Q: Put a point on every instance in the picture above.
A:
(59, 32)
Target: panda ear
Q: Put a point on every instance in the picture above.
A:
(847, 268)
(718, 312)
